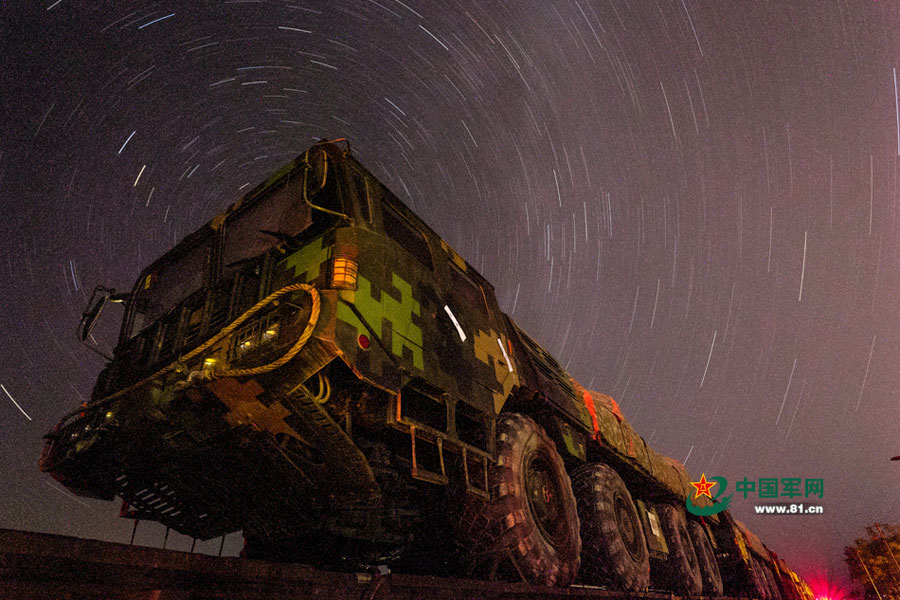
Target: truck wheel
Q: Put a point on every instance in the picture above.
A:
(777, 588)
(614, 550)
(769, 577)
(757, 579)
(709, 567)
(531, 516)
(680, 571)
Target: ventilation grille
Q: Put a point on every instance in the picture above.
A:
(154, 501)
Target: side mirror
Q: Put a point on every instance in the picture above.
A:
(90, 317)
(319, 167)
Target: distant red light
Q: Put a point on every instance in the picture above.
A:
(363, 341)
(823, 589)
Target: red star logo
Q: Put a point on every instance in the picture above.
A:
(703, 486)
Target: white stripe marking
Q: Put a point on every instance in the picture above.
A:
(505, 355)
(462, 334)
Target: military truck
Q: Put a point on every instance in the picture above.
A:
(319, 369)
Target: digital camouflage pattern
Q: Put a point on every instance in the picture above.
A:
(409, 337)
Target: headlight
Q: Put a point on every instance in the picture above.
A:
(270, 332)
(255, 335)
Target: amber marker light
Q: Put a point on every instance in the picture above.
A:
(344, 273)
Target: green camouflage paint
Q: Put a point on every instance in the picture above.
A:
(404, 333)
(308, 260)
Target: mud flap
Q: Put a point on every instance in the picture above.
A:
(656, 542)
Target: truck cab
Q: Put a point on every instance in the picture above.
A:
(407, 338)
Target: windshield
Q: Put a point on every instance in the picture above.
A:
(279, 216)
(252, 231)
(168, 284)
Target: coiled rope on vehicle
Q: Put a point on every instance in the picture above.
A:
(210, 374)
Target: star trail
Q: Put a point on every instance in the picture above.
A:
(692, 204)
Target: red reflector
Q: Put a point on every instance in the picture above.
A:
(363, 341)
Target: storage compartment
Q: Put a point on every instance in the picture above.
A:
(470, 427)
(423, 407)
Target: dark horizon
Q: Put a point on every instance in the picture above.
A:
(692, 205)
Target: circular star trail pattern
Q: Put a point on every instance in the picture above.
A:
(693, 205)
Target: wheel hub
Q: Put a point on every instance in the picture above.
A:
(628, 528)
(544, 499)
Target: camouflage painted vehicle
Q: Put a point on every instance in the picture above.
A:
(789, 583)
(317, 368)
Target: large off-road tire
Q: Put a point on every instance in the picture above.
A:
(759, 587)
(709, 567)
(776, 586)
(531, 519)
(769, 577)
(680, 571)
(614, 550)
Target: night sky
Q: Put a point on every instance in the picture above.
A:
(693, 205)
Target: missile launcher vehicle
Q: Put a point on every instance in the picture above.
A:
(319, 369)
